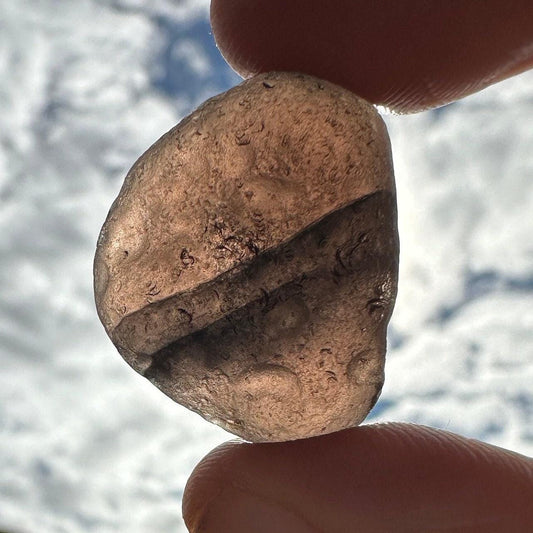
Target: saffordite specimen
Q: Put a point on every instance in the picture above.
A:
(248, 267)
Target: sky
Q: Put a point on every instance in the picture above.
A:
(88, 445)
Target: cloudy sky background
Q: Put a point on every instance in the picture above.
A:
(85, 87)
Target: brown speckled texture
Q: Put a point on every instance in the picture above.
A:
(248, 267)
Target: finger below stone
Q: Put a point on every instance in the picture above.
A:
(393, 477)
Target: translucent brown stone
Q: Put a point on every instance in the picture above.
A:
(248, 267)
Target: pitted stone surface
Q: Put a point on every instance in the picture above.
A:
(248, 267)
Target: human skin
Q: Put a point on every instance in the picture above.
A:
(375, 478)
(407, 55)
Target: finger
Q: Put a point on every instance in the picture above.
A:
(406, 55)
(393, 477)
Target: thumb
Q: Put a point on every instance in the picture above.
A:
(381, 478)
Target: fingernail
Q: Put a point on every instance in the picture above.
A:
(235, 511)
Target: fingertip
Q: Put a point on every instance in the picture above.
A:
(393, 477)
(207, 482)
(406, 55)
